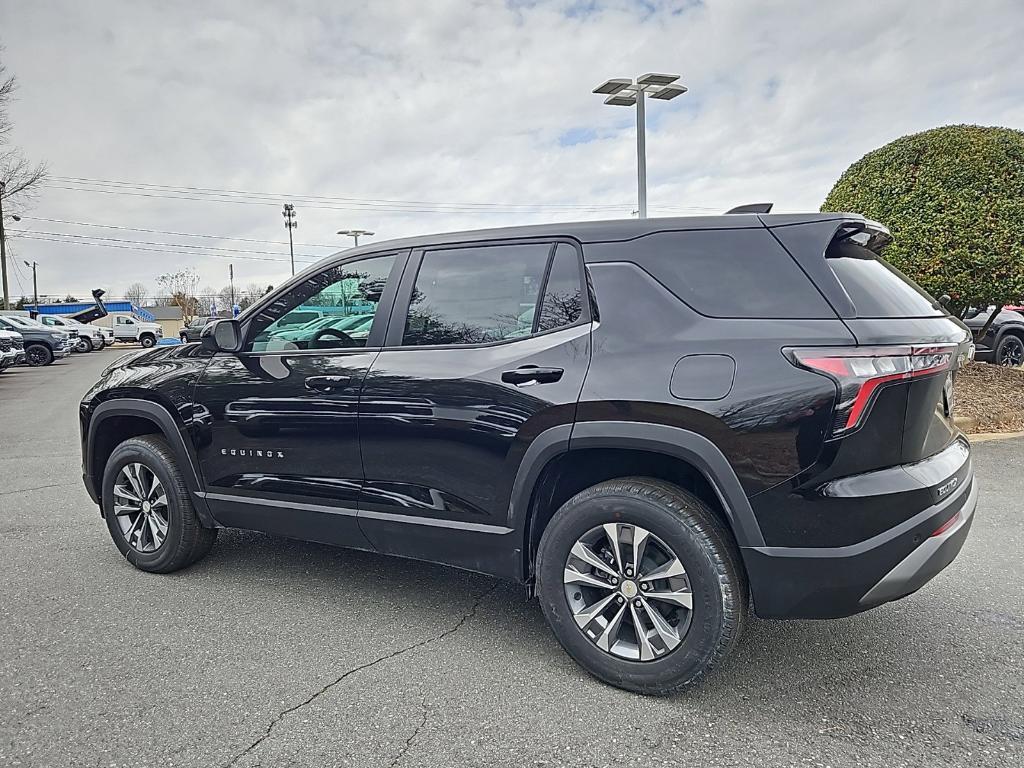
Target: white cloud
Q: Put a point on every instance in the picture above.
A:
(469, 103)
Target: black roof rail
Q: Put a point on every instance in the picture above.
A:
(751, 208)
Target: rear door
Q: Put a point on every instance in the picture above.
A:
(487, 346)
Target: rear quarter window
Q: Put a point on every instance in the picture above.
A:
(733, 273)
(876, 288)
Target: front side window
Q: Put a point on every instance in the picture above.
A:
(486, 294)
(331, 310)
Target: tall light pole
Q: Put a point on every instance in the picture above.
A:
(290, 223)
(35, 286)
(625, 92)
(355, 234)
(3, 248)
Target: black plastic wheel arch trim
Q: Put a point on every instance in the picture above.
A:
(168, 428)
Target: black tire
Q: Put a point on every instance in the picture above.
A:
(1010, 350)
(86, 343)
(184, 338)
(697, 538)
(147, 340)
(37, 355)
(187, 539)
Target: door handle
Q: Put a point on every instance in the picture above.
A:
(326, 383)
(531, 374)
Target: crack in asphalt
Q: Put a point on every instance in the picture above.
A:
(441, 636)
(37, 488)
(408, 742)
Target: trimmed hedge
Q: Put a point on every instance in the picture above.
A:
(953, 198)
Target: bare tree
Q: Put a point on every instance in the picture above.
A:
(19, 179)
(182, 287)
(248, 295)
(136, 293)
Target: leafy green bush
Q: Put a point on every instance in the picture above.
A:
(953, 198)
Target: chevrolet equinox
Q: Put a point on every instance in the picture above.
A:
(654, 425)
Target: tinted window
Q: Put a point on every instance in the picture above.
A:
(877, 288)
(478, 295)
(332, 310)
(724, 273)
(563, 298)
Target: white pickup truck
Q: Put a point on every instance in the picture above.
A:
(89, 336)
(127, 328)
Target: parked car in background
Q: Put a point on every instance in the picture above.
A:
(1003, 342)
(353, 327)
(191, 331)
(42, 345)
(89, 337)
(699, 415)
(130, 329)
(8, 350)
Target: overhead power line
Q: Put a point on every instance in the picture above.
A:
(336, 246)
(31, 236)
(211, 194)
(150, 242)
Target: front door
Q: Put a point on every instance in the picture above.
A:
(487, 347)
(279, 449)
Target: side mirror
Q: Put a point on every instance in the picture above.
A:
(222, 336)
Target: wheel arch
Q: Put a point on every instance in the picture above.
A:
(564, 460)
(115, 421)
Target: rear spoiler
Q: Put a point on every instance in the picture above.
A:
(751, 208)
(868, 233)
(95, 312)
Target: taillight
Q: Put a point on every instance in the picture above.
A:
(860, 371)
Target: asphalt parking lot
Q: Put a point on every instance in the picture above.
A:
(279, 653)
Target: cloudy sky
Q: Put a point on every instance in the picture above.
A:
(412, 117)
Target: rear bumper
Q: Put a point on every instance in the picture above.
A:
(830, 582)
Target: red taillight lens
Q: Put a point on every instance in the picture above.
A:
(860, 371)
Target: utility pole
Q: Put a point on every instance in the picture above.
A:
(3, 248)
(231, 279)
(35, 286)
(290, 222)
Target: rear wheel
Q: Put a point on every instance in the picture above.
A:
(641, 584)
(1010, 350)
(38, 354)
(148, 510)
(147, 340)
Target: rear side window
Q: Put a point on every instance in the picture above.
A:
(492, 293)
(876, 288)
(741, 273)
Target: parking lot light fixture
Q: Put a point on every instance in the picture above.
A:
(355, 234)
(625, 92)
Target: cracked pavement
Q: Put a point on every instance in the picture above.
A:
(273, 652)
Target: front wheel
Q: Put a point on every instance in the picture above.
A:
(148, 341)
(84, 344)
(641, 584)
(1010, 350)
(37, 355)
(148, 510)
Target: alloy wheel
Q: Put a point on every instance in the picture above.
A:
(36, 355)
(628, 592)
(1012, 351)
(140, 507)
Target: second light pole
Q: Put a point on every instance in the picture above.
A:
(625, 92)
(355, 234)
(290, 222)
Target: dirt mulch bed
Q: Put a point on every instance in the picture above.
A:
(991, 397)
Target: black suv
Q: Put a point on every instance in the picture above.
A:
(652, 424)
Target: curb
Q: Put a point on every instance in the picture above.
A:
(985, 437)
